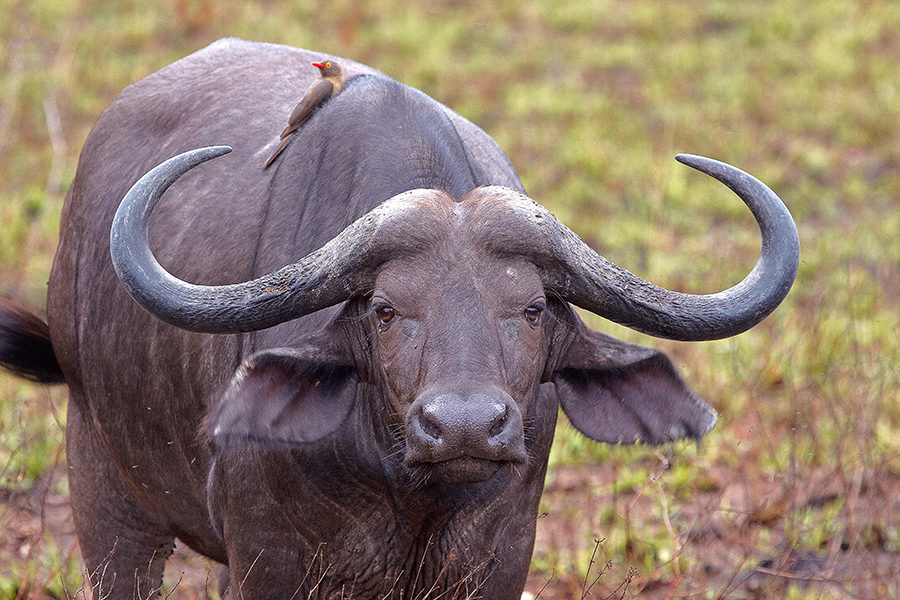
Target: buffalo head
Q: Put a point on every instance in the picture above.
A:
(457, 311)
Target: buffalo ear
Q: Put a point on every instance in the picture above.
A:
(284, 395)
(617, 392)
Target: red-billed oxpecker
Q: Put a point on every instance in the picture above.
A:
(327, 85)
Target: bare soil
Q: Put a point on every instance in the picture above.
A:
(739, 539)
(735, 539)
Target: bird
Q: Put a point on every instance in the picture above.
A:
(327, 85)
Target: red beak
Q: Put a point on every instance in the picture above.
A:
(318, 65)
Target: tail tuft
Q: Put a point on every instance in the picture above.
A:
(25, 347)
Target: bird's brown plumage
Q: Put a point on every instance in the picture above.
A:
(327, 85)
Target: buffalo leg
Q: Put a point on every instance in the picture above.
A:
(124, 547)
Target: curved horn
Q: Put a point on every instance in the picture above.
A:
(332, 274)
(581, 276)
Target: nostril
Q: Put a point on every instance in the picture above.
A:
(499, 425)
(429, 427)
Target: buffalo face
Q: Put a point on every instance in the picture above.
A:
(459, 344)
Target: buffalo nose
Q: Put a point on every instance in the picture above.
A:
(479, 417)
(477, 425)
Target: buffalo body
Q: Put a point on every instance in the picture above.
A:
(385, 438)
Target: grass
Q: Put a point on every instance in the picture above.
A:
(591, 100)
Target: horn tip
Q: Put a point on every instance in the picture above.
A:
(692, 160)
(710, 166)
(216, 151)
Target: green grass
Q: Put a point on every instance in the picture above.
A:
(591, 100)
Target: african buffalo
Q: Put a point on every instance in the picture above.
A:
(378, 423)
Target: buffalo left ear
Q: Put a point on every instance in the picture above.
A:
(284, 395)
(617, 392)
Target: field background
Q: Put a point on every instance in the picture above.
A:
(796, 492)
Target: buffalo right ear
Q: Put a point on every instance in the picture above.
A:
(284, 395)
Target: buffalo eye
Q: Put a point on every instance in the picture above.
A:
(385, 313)
(533, 314)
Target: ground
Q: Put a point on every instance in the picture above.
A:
(716, 536)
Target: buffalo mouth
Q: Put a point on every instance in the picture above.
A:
(464, 470)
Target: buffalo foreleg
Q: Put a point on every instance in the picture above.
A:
(124, 547)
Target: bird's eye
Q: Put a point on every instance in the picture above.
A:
(385, 313)
(328, 65)
(533, 313)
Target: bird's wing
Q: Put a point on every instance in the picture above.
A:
(315, 96)
(281, 146)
